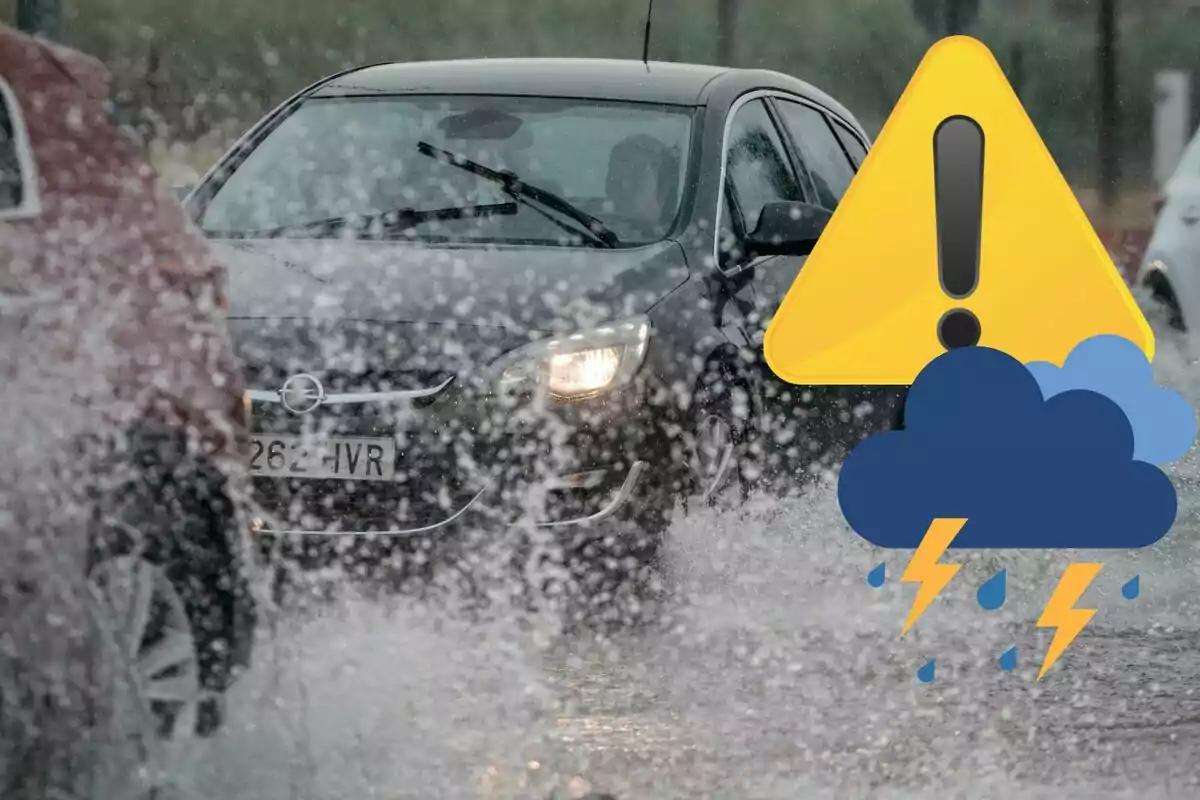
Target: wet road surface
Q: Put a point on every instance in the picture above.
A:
(778, 673)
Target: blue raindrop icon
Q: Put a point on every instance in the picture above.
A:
(994, 591)
(876, 577)
(925, 673)
(1132, 588)
(1008, 660)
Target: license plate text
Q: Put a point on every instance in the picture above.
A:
(348, 458)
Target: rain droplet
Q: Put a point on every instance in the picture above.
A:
(925, 673)
(1008, 660)
(994, 591)
(876, 577)
(1132, 588)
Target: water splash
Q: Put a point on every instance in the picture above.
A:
(1132, 588)
(876, 577)
(994, 591)
(925, 673)
(1008, 659)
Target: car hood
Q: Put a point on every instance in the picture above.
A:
(527, 288)
(368, 314)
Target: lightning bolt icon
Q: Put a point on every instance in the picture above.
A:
(1060, 611)
(925, 569)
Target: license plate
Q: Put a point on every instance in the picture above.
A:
(344, 457)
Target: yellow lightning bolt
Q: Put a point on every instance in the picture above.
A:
(1060, 611)
(925, 569)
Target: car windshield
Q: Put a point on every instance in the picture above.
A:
(579, 166)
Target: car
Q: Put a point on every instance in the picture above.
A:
(125, 422)
(1170, 263)
(526, 294)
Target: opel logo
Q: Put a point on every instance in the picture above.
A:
(302, 393)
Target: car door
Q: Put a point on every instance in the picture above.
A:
(758, 171)
(819, 157)
(855, 147)
(829, 152)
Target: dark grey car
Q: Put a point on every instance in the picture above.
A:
(527, 291)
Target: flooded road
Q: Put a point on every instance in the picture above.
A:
(779, 672)
(780, 677)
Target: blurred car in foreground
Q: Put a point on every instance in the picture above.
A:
(1170, 266)
(526, 291)
(123, 438)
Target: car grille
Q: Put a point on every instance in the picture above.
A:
(271, 377)
(354, 356)
(334, 505)
(433, 477)
(430, 483)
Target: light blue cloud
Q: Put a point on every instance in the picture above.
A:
(1163, 422)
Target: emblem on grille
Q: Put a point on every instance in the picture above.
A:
(301, 393)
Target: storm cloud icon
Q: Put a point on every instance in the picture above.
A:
(1027, 469)
(1164, 423)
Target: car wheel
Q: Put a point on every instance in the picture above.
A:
(722, 459)
(165, 556)
(616, 579)
(141, 618)
(1164, 294)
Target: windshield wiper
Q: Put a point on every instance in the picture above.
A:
(517, 188)
(397, 219)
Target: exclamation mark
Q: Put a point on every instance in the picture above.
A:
(958, 198)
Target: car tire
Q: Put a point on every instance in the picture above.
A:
(168, 528)
(141, 620)
(599, 575)
(612, 580)
(1163, 293)
(722, 449)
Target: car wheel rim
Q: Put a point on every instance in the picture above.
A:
(714, 454)
(146, 623)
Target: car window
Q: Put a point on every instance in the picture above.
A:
(827, 164)
(18, 194)
(854, 146)
(622, 163)
(757, 168)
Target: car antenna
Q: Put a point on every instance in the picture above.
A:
(646, 36)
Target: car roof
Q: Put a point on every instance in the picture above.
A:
(586, 78)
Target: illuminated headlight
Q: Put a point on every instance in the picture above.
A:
(581, 365)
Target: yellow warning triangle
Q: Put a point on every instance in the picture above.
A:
(867, 305)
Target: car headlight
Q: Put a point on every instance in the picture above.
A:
(580, 365)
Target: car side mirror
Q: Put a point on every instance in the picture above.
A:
(787, 229)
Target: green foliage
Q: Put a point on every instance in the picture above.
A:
(205, 62)
(946, 17)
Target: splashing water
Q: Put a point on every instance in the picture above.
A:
(774, 676)
(365, 695)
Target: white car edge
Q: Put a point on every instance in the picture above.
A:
(1170, 266)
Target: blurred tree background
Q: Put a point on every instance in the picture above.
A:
(210, 67)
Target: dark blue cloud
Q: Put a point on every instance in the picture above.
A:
(981, 443)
